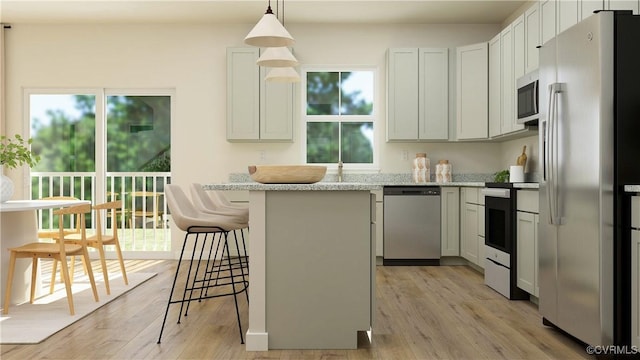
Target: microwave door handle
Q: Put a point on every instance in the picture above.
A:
(535, 95)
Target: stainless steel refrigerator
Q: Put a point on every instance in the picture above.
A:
(589, 149)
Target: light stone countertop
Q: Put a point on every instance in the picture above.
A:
(526, 185)
(632, 188)
(327, 186)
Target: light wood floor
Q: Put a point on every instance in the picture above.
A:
(441, 312)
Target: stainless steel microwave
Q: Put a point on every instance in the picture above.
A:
(527, 99)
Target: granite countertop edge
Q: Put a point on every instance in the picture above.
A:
(336, 186)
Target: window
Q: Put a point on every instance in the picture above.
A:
(339, 116)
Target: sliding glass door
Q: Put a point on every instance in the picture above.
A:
(105, 145)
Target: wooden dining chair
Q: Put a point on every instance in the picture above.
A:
(104, 237)
(54, 235)
(58, 251)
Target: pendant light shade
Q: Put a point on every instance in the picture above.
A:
(283, 74)
(269, 32)
(277, 57)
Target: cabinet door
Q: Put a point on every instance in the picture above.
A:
(536, 218)
(450, 227)
(470, 233)
(472, 70)
(481, 252)
(532, 40)
(587, 7)
(526, 251)
(635, 287)
(547, 20)
(519, 43)
(276, 109)
(243, 94)
(495, 86)
(567, 14)
(433, 89)
(508, 84)
(633, 5)
(402, 92)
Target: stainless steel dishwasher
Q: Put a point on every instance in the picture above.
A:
(411, 225)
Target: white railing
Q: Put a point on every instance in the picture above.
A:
(143, 220)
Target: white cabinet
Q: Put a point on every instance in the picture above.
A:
(635, 271)
(256, 109)
(566, 14)
(495, 86)
(547, 20)
(532, 37)
(450, 217)
(527, 220)
(472, 88)
(418, 94)
(558, 15)
(519, 50)
(472, 226)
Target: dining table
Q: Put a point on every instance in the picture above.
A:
(19, 226)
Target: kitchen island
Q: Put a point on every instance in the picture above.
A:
(312, 264)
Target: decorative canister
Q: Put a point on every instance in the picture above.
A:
(443, 171)
(421, 168)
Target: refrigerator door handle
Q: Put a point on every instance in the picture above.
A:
(551, 152)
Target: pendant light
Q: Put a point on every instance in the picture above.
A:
(269, 32)
(277, 57)
(282, 74)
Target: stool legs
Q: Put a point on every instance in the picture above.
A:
(212, 276)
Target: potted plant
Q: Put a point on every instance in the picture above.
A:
(14, 152)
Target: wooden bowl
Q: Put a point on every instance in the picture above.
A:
(287, 174)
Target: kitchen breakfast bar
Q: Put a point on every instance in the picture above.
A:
(312, 264)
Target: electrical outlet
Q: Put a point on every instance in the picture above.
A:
(263, 155)
(404, 155)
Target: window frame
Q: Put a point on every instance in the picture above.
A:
(374, 118)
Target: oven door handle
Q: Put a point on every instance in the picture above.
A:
(496, 192)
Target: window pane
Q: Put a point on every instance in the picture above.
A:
(138, 133)
(357, 93)
(322, 93)
(63, 132)
(322, 142)
(357, 142)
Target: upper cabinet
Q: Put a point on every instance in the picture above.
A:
(512, 54)
(257, 110)
(532, 37)
(418, 94)
(472, 80)
(558, 15)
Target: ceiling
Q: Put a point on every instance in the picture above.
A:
(249, 11)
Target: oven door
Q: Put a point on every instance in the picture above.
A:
(498, 219)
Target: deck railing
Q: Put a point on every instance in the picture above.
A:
(143, 220)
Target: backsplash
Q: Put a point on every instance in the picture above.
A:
(378, 178)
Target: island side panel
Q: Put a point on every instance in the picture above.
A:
(256, 336)
(318, 268)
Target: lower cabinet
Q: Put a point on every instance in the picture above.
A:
(527, 247)
(472, 226)
(450, 218)
(635, 271)
(635, 287)
(527, 220)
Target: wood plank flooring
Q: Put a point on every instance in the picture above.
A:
(433, 312)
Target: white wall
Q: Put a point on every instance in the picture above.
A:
(192, 60)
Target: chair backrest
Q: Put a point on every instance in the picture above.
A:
(48, 233)
(201, 199)
(79, 212)
(212, 204)
(110, 206)
(180, 206)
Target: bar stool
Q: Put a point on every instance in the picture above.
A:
(203, 228)
(213, 205)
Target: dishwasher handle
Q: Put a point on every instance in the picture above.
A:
(412, 190)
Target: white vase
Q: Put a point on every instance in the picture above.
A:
(6, 186)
